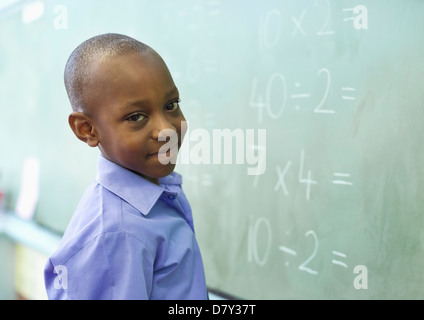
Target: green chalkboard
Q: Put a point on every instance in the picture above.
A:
(324, 199)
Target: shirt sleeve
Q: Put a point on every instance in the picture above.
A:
(114, 265)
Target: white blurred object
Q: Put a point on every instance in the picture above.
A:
(32, 11)
(28, 195)
(4, 4)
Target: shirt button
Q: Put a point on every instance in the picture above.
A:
(171, 197)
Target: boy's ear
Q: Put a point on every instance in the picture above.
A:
(83, 128)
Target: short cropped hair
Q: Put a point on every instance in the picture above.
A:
(102, 46)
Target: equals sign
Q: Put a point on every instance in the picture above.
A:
(339, 175)
(346, 92)
(338, 262)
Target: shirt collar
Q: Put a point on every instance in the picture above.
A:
(134, 189)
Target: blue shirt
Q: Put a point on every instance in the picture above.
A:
(128, 239)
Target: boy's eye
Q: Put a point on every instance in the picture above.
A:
(173, 105)
(135, 117)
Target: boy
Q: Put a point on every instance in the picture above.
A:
(131, 236)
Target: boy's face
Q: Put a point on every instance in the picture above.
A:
(132, 99)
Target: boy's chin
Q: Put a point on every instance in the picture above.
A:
(162, 171)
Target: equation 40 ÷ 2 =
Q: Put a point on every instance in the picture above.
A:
(275, 98)
(260, 231)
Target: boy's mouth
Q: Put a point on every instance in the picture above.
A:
(163, 152)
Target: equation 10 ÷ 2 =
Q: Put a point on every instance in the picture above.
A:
(260, 245)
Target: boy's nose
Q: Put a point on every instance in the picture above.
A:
(162, 128)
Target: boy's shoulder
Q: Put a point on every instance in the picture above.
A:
(118, 202)
(91, 219)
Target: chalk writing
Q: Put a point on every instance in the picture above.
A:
(305, 257)
(273, 98)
